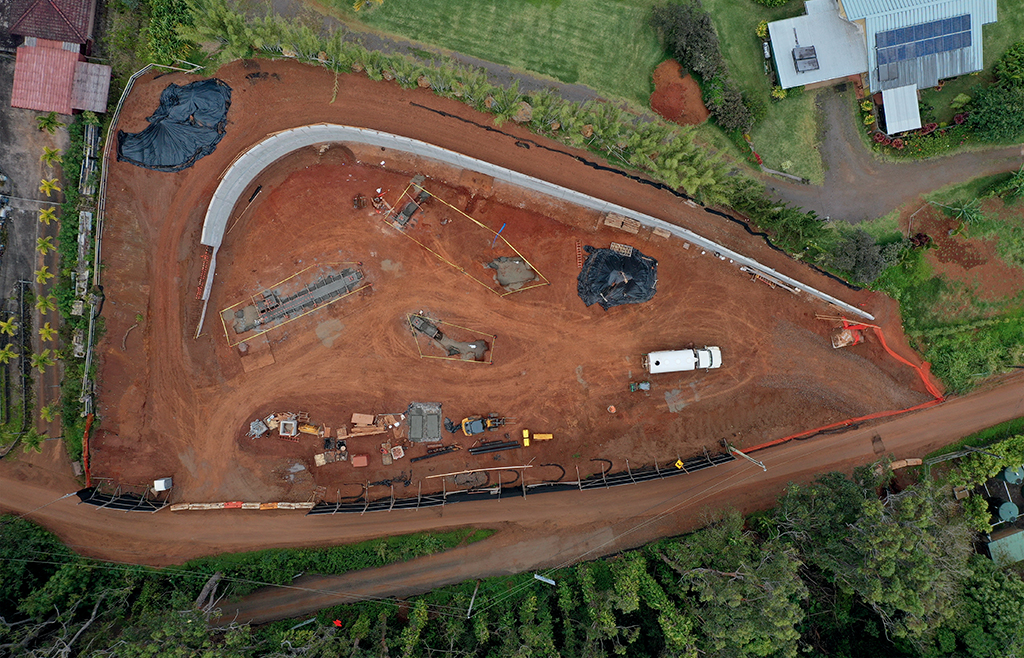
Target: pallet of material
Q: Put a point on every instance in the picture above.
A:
(614, 220)
(362, 419)
(630, 225)
(180, 507)
(661, 233)
(623, 249)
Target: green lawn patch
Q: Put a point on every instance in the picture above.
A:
(787, 139)
(608, 45)
(280, 565)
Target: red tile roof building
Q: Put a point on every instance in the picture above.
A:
(49, 77)
(56, 20)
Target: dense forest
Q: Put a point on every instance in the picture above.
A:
(845, 566)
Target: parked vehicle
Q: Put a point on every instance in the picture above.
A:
(706, 358)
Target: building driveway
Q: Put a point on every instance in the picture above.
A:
(858, 186)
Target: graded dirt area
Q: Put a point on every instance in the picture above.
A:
(676, 96)
(974, 262)
(175, 405)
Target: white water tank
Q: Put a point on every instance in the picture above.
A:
(163, 484)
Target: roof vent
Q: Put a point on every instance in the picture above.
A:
(805, 59)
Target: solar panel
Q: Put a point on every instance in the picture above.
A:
(925, 39)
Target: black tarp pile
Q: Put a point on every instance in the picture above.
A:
(611, 279)
(186, 127)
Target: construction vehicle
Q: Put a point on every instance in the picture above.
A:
(480, 424)
(846, 336)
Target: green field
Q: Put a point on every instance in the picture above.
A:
(605, 44)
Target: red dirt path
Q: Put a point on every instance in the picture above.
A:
(172, 405)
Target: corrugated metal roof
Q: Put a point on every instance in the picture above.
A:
(901, 109)
(857, 9)
(90, 87)
(838, 45)
(928, 70)
(43, 78)
(1007, 546)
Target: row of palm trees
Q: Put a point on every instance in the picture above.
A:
(40, 361)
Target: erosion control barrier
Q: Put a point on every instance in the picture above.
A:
(236, 504)
(601, 481)
(122, 502)
(249, 164)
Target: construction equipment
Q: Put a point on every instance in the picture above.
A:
(846, 336)
(425, 327)
(358, 202)
(480, 424)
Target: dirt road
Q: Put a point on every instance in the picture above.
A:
(538, 532)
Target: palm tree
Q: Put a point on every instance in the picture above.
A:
(48, 185)
(49, 412)
(46, 304)
(47, 332)
(49, 122)
(33, 441)
(44, 245)
(42, 360)
(7, 353)
(8, 326)
(43, 274)
(47, 215)
(50, 156)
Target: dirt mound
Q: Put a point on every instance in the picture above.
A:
(676, 96)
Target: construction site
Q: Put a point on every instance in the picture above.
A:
(387, 327)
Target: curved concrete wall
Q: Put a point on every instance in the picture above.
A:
(241, 173)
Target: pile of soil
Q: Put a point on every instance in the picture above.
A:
(677, 97)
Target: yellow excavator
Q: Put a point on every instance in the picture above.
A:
(480, 424)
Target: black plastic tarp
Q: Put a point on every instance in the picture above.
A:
(186, 127)
(610, 279)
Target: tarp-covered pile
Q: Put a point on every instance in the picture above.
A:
(187, 126)
(611, 279)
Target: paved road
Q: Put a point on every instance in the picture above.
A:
(540, 531)
(859, 186)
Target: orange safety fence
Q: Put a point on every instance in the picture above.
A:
(85, 451)
(922, 371)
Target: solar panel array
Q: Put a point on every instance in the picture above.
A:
(925, 39)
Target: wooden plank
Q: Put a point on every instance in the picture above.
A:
(661, 233)
(362, 419)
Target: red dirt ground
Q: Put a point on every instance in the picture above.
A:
(676, 96)
(174, 405)
(972, 261)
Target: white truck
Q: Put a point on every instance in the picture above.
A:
(683, 360)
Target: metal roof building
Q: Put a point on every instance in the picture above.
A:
(817, 47)
(1006, 546)
(904, 45)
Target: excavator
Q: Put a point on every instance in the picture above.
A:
(480, 424)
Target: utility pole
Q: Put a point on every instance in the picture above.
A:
(747, 457)
(475, 590)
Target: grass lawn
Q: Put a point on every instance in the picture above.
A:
(605, 44)
(736, 22)
(787, 139)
